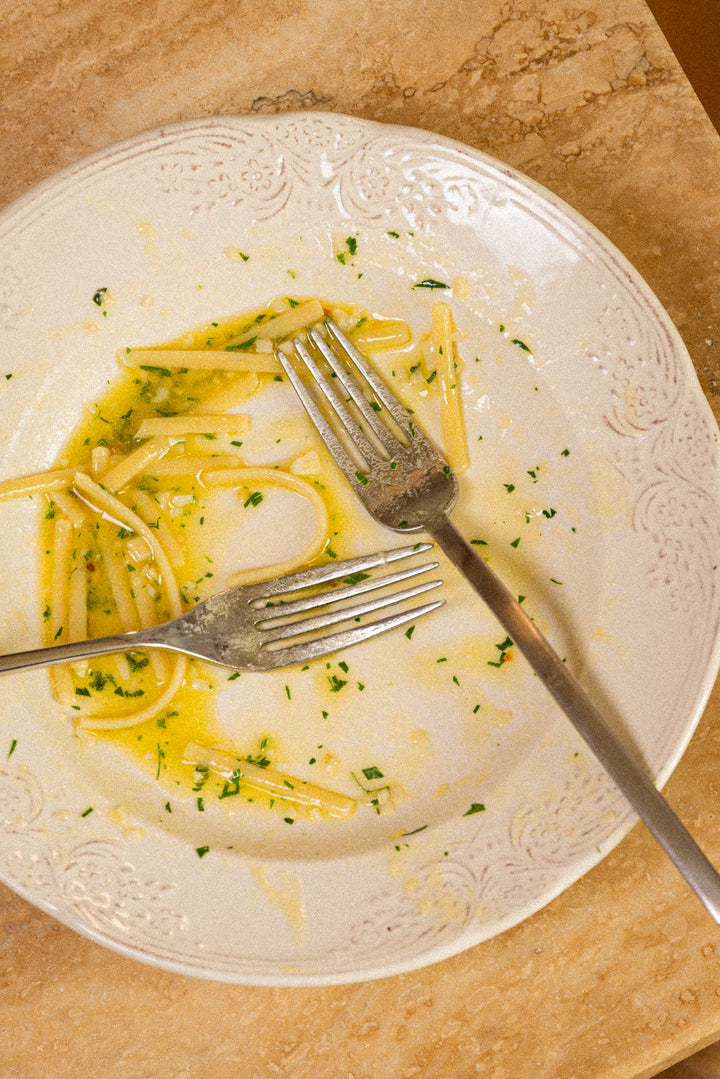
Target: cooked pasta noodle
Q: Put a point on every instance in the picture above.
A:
(204, 424)
(282, 325)
(56, 480)
(278, 784)
(115, 565)
(139, 461)
(191, 465)
(148, 511)
(202, 360)
(246, 477)
(123, 519)
(99, 461)
(104, 502)
(70, 506)
(62, 555)
(388, 334)
(95, 722)
(77, 598)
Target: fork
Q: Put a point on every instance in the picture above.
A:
(406, 485)
(262, 627)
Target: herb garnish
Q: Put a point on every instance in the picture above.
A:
(505, 653)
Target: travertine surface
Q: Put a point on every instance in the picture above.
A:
(620, 976)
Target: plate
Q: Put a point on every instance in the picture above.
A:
(593, 487)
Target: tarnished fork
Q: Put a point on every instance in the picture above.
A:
(268, 625)
(406, 485)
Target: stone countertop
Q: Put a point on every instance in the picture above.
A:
(619, 976)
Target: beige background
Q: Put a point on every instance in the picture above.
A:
(620, 976)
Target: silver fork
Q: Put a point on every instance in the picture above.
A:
(262, 627)
(406, 485)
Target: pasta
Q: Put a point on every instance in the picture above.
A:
(124, 504)
(180, 426)
(258, 477)
(269, 781)
(203, 360)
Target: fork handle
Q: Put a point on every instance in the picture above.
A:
(65, 653)
(611, 752)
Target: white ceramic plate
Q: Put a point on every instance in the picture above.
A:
(623, 575)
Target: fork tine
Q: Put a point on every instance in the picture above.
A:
(301, 653)
(352, 387)
(296, 628)
(348, 432)
(333, 571)
(381, 391)
(347, 463)
(286, 610)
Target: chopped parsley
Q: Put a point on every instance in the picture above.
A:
(505, 653)
(243, 346)
(521, 344)
(351, 245)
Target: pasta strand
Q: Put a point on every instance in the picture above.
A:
(246, 477)
(268, 780)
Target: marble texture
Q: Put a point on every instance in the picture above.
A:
(619, 977)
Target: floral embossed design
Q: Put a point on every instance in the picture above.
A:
(252, 175)
(438, 905)
(691, 445)
(179, 174)
(684, 525)
(305, 135)
(21, 801)
(560, 826)
(369, 186)
(105, 892)
(23, 853)
(641, 363)
(100, 888)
